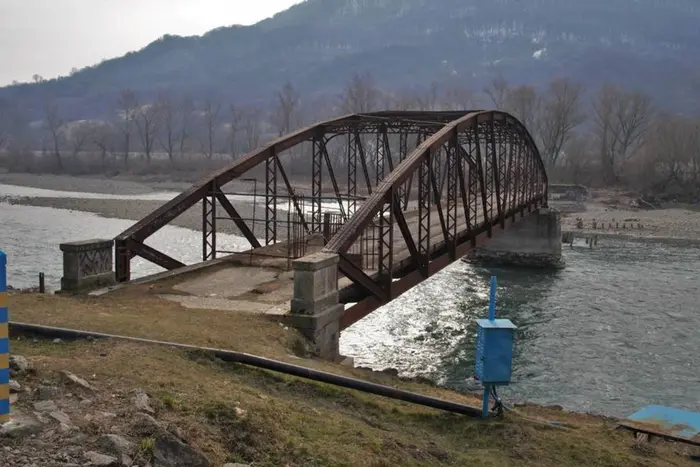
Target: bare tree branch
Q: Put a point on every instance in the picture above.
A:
(127, 106)
(560, 114)
(285, 115)
(54, 122)
(621, 120)
(497, 91)
(361, 95)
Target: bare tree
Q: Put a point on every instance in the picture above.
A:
(524, 103)
(560, 114)
(621, 119)
(169, 123)
(251, 127)
(403, 100)
(497, 91)
(361, 94)
(103, 137)
(54, 122)
(235, 117)
(211, 120)
(186, 110)
(127, 107)
(429, 100)
(148, 121)
(77, 135)
(286, 112)
(4, 125)
(458, 98)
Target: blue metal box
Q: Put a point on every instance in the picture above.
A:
(494, 350)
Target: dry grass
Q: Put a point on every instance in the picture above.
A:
(294, 422)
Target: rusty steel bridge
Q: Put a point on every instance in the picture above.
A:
(398, 195)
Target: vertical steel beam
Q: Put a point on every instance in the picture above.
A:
(122, 260)
(209, 224)
(363, 160)
(271, 198)
(388, 159)
(352, 175)
(424, 210)
(483, 177)
(451, 162)
(403, 151)
(495, 177)
(386, 243)
(317, 183)
(334, 182)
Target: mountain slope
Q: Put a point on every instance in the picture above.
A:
(652, 45)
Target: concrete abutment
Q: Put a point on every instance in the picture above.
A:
(533, 241)
(315, 310)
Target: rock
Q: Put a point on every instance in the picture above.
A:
(77, 380)
(240, 413)
(96, 458)
(57, 341)
(115, 444)
(19, 365)
(127, 461)
(143, 402)
(20, 426)
(45, 406)
(15, 386)
(147, 424)
(61, 417)
(45, 393)
(168, 451)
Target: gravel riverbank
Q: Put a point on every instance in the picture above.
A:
(610, 219)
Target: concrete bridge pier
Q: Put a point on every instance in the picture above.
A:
(534, 241)
(315, 310)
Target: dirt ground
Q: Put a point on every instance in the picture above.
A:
(234, 413)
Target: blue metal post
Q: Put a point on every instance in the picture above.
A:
(492, 299)
(4, 344)
(492, 316)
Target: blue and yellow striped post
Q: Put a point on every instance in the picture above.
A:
(4, 344)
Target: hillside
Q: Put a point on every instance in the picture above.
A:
(317, 45)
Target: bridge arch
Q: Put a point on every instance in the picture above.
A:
(494, 175)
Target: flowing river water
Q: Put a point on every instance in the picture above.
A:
(615, 330)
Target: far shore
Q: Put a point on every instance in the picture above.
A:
(612, 220)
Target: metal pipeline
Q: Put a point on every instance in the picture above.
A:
(265, 363)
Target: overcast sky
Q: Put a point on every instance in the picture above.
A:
(49, 37)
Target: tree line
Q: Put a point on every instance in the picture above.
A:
(610, 136)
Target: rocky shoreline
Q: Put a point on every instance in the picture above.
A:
(67, 421)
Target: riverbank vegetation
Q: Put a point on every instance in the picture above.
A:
(599, 137)
(233, 413)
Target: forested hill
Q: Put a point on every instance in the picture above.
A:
(651, 45)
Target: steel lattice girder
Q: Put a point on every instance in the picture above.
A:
(489, 163)
(432, 128)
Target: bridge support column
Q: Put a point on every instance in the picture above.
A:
(534, 241)
(87, 265)
(315, 310)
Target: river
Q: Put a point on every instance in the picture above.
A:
(615, 330)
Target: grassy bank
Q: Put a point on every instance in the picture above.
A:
(234, 413)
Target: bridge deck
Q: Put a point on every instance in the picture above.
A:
(261, 281)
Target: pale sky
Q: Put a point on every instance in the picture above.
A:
(49, 37)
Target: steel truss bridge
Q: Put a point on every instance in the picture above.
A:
(397, 195)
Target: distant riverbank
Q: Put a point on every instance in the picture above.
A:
(675, 224)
